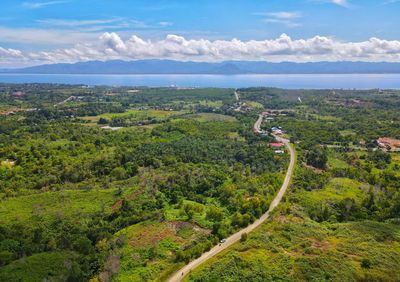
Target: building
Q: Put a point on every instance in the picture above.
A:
(276, 145)
(18, 93)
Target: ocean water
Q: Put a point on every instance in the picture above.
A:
(290, 81)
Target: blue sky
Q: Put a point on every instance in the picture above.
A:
(50, 25)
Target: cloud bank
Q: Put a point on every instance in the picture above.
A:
(111, 46)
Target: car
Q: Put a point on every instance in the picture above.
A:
(222, 241)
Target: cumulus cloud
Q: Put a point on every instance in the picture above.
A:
(319, 48)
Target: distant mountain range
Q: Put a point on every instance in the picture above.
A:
(228, 67)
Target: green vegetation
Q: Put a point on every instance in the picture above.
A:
(129, 204)
(340, 220)
(80, 202)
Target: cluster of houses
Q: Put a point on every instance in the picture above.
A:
(240, 107)
(277, 130)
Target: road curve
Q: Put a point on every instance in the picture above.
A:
(181, 273)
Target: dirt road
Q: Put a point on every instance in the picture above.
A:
(180, 274)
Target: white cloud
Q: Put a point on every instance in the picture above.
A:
(77, 23)
(10, 53)
(50, 37)
(38, 5)
(343, 3)
(283, 17)
(165, 24)
(283, 48)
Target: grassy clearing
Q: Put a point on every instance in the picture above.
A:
(61, 203)
(325, 118)
(207, 117)
(335, 160)
(214, 104)
(135, 114)
(56, 266)
(255, 105)
(148, 252)
(347, 132)
(291, 248)
(337, 189)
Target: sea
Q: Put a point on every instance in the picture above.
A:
(289, 81)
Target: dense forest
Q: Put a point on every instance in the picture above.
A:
(128, 184)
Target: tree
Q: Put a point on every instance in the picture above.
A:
(103, 121)
(215, 214)
(317, 157)
(365, 263)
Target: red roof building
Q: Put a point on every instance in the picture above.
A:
(276, 145)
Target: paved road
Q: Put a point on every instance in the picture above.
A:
(237, 96)
(257, 125)
(180, 274)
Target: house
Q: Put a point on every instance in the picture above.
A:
(276, 145)
(18, 93)
(277, 130)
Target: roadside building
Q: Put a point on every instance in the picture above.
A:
(18, 93)
(276, 145)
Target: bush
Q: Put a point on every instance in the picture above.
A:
(365, 263)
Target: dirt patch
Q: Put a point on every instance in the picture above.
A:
(150, 235)
(388, 143)
(117, 204)
(321, 245)
(316, 170)
(286, 219)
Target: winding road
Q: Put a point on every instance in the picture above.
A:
(181, 273)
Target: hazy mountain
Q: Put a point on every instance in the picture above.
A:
(229, 67)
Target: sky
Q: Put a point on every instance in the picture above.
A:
(37, 32)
